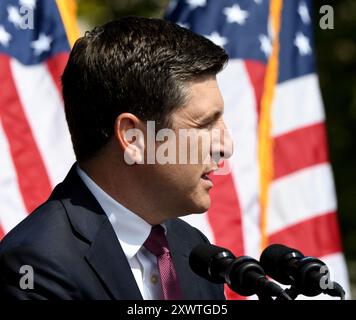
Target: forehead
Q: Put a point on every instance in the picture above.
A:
(204, 99)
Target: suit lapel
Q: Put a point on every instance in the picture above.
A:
(109, 261)
(105, 254)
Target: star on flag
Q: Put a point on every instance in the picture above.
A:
(217, 39)
(196, 3)
(303, 44)
(5, 37)
(236, 14)
(42, 44)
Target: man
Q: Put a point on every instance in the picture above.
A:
(110, 230)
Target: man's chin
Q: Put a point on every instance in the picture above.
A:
(196, 210)
(196, 206)
(203, 206)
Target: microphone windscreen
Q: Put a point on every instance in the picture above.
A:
(273, 260)
(201, 261)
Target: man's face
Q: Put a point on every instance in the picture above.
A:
(182, 187)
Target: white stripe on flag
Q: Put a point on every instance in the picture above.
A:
(201, 222)
(12, 207)
(300, 196)
(241, 119)
(46, 117)
(297, 104)
(338, 270)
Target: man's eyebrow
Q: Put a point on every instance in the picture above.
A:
(212, 117)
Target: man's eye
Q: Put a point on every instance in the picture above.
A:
(208, 125)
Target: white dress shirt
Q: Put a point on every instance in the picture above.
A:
(131, 231)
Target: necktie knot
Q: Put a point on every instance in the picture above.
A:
(156, 242)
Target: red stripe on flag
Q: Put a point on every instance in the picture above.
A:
(316, 237)
(2, 233)
(299, 149)
(56, 65)
(32, 176)
(225, 218)
(256, 71)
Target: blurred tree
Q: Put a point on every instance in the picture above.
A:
(99, 11)
(336, 55)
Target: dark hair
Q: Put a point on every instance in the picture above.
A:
(135, 65)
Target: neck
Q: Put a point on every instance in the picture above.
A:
(122, 182)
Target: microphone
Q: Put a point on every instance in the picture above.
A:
(243, 275)
(307, 275)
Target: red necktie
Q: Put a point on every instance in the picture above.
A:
(157, 244)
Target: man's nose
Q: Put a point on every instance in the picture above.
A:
(222, 144)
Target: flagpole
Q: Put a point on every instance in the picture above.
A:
(68, 10)
(265, 149)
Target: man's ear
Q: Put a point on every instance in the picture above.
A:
(130, 137)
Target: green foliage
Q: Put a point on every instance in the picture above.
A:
(336, 54)
(100, 11)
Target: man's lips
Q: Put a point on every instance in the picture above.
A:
(209, 172)
(206, 174)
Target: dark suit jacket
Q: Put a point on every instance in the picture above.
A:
(75, 254)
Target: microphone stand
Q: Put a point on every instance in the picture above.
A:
(282, 296)
(292, 292)
(264, 297)
(336, 290)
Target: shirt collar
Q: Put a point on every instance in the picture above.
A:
(130, 229)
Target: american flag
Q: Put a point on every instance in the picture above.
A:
(35, 147)
(280, 189)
